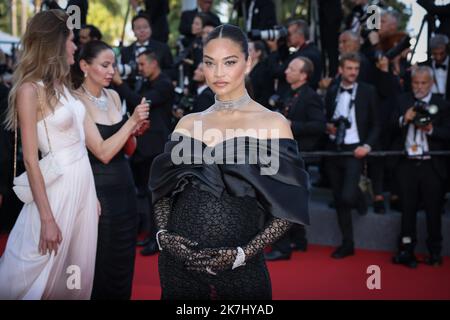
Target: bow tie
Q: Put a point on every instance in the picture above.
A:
(440, 66)
(349, 90)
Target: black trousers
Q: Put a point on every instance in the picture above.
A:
(141, 174)
(344, 175)
(420, 183)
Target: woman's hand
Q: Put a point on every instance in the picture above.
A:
(220, 259)
(141, 112)
(51, 237)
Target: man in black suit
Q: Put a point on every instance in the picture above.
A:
(187, 17)
(259, 14)
(355, 103)
(306, 114)
(157, 11)
(421, 177)
(159, 90)
(440, 63)
(298, 38)
(143, 32)
(330, 18)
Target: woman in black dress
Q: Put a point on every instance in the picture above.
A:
(215, 215)
(117, 229)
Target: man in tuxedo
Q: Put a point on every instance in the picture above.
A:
(89, 33)
(440, 63)
(157, 11)
(187, 17)
(306, 114)
(159, 90)
(352, 126)
(421, 177)
(143, 32)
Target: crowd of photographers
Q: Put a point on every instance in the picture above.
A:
(355, 95)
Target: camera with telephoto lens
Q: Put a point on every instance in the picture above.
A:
(341, 124)
(276, 33)
(424, 113)
(402, 45)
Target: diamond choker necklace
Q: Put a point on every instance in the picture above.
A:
(101, 103)
(231, 104)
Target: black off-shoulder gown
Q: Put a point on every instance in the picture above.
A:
(117, 228)
(226, 205)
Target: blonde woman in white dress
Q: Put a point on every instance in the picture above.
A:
(50, 253)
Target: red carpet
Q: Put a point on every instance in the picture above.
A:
(314, 275)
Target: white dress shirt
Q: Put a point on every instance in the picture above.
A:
(344, 101)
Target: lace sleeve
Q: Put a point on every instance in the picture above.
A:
(274, 229)
(224, 258)
(162, 212)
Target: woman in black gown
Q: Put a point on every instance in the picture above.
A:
(114, 183)
(216, 217)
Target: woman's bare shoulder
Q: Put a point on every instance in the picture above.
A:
(275, 121)
(186, 123)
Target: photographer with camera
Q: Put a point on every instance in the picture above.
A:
(352, 125)
(422, 124)
(128, 55)
(157, 88)
(305, 112)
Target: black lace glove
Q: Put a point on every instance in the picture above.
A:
(213, 260)
(274, 229)
(224, 258)
(161, 213)
(181, 248)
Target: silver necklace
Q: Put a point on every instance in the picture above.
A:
(101, 102)
(231, 104)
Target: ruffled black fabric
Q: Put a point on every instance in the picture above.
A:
(284, 194)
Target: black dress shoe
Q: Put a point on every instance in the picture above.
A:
(143, 243)
(277, 255)
(378, 206)
(150, 248)
(343, 251)
(406, 258)
(434, 260)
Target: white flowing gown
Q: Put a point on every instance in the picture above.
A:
(24, 272)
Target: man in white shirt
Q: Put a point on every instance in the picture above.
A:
(352, 125)
(421, 177)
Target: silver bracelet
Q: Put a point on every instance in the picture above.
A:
(157, 238)
(240, 258)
